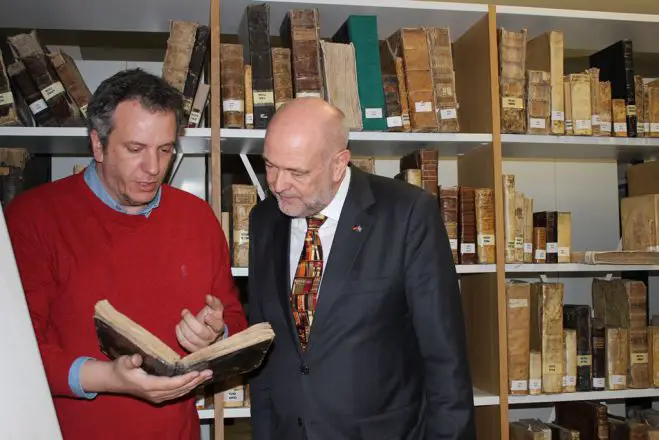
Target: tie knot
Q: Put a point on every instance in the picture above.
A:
(316, 221)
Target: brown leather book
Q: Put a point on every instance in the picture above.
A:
(8, 112)
(12, 169)
(528, 230)
(549, 221)
(570, 360)
(412, 46)
(640, 106)
(443, 79)
(564, 236)
(582, 112)
(606, 124)
(577, 318)
(25, 86)
(257, 42)
(653, 355)
(652, 108)
(340, 81)
(588, 418)
(68, 73)
(509, 206)
(232, 85)
(538, 102)
(467, 225)
(518, 323)
(180, 44)
(539, 244)
(197, 60)
(427, 161)
(639, 217)
(404, 97)
(617, 362)
(448, 202)
(520, 226)
(299, 31)
(547, 333)
(567, 91)
(282, 76)
(512, 79)
(249, 97)
(619, 116)
(485, 222)
(243, 199)
(392, 95)
(599, 354)
(595, 120)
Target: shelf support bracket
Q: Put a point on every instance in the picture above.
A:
(252, 175)
(177, 163)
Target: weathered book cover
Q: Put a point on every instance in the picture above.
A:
(249, 97)
(594, 74)
(8, 113)
(512, 80)
(68, 73)
(180, 44)
(518, 322)
(485, 238)
(340, 81)
(567, 92)
(520, 226)
(299, 31)
(257, 42)
(390, 84)
(580, 98)
(564, 236)
(425, 160)
(653, 355)
(606, 118)
(448, 202)
(404, 97)
(467, 225)
(549, 221)
(570, 360)
(282, 76)
(619, 116)
(599, 354)
(538, 102)
(539, 244)
(617, 361)
(547, 333)
(198, 105)
(22, 81)
(232, 85)
(639, 217)
(577, 317)
(528, 230)
(197, 60)
(443, 79)
(243, 199)
(509, 205)
(535, 372)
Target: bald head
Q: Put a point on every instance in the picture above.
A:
(306, 155)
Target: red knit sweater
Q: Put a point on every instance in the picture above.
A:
(73, 250)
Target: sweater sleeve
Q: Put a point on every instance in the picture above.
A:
(34, 254)
(224, 287)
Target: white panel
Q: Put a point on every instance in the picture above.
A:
(63, 166)
(191, 176)
(153, 67)
(95, 72)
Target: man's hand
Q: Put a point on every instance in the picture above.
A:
(197, 332)
(124, 376)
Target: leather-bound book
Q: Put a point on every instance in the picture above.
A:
(640, 106)
(25, 86)
(616, 358)
(564, 236)
(606, 118)
(539, 244)
(509, 206)
(652, 108)
(653, 355)
(485, 223)
(518, 323)
(520, 226)
(538, 102)
(619, 116)
(197, 60)
(232, 85)
(538, 429)
(545, 53)
(282, 76)
(243, 199)
(639, 216)
(577, 318)
(616, 64)
(512, 80)
(392, 96)
(443, 79)
(413, 176)
(570, 360)
(299, 31)
(588, 418)
(547, 333)
(448, 202)
(362, 32)
(198, 105)
(581, 107)
(180, 44)
(549, 221)
(8, 113)
(411, 45)
(467, 226)
(257, 46)
(404, 98)
(30, 51)
(340, 81)
(599, 354)
(567, 93)
(559, 432)
(426, 160)
(249, 97)
(68, 73)
(528, 230)
(594, 74)
(535, 372)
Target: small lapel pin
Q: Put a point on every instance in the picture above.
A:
(357, 228)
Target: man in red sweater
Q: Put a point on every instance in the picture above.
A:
(158, 254)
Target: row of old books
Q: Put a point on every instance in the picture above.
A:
(467, 213)
(403, 83)
(533, 237)
(539, 97)
(589, 421)
(555, 347)
(44, 88)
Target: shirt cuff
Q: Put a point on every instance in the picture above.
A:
(74, 378)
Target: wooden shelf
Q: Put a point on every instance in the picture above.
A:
(574, 267)
(586, 395)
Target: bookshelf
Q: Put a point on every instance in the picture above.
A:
(575, 173)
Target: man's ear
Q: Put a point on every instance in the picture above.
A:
(342, 161)
(97, 146)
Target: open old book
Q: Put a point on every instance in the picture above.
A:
(238, 354)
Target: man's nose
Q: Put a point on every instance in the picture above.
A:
(150, 162)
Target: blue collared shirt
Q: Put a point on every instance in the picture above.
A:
(91, 178)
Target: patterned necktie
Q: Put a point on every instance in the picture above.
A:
(307, 279)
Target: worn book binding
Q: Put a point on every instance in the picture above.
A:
(547, 333)
(238, 354)
(518, 321)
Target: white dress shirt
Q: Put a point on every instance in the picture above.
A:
(326, 231)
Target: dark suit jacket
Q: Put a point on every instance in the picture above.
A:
(386, 356)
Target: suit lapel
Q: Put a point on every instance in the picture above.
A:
(352, 231)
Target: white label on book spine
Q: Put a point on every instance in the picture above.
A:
(639, 358)
(307, 95)
(537, 123)
(605, 127)
(509, 102)
(552, 248)
(516, 303)
(233, 105)
(373, 113)
(618, 379)
(394, 121)
(38, 106)
(599, 382)
(454, 244)
(540, 254)
(582, 124)
(584, 360)
(52, 90)
(528, 248)
(557, 116)
(235, 394)
(249, 118)
(653, 127)
(406, 119)
(195, 116)
(243, 237)
(485, 239)
(448, 113)
(620, 127)
(563, 251)
(518, 385)
(519, 242)
(423, 106)
(535, 384)
(467, 248)
(264, 98)
(595, 119)
(6, 98)
(569, 381)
